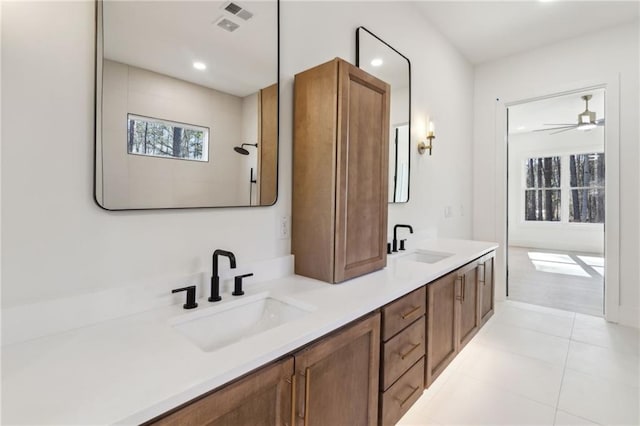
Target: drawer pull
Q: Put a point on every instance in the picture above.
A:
(307, 388)
(460, 298)
(293, 398)
(413, 348)
(413, 392)
(411, 312)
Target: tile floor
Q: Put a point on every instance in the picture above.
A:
(532, 365)
(557, 279)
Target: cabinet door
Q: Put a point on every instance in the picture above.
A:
(442, 331)
(261, 398)
(469, 299)
(362, 173)
(486, 283)
(337, 377)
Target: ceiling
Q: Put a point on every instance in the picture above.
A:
(487, 30)
(526, 117)
(169, 36)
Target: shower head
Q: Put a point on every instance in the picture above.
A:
(240, 150)
(243, 151)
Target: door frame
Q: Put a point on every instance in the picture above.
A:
(611, 84)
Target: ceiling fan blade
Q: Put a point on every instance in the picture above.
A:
(563, 130)
(600, 122)
(569, 127)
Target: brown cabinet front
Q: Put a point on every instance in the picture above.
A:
(486, 283)
(340, 164)
(401, 352)
(397, 400)
(337, 377)
(262, 398)
(442, 334)
(399, 314)
(469, 299)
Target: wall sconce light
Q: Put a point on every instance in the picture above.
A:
(422, 147)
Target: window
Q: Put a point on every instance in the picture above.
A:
(168, 139)
(586, 183)
(542, 190)
(567, 189)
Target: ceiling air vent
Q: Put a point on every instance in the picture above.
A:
(227, 24)
(237, 10)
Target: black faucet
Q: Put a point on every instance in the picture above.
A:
(395, 236)
(237, 284)
(215, 279)
(191, 296)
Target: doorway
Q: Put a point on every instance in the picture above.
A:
(556, 202)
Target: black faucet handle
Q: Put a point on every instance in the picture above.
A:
(237, 284)
(402, 244)
(191, 296)
(388, 248)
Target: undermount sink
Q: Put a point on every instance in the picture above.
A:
(220, 326)
(426, 256)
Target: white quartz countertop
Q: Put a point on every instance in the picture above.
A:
(131, 369)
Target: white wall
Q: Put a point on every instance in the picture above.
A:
(580, 237)
(57, 242)
(609, 57)
(136, 181)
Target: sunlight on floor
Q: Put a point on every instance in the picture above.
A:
(592, 260)
(551, 257)
(560, 268)
(557, 263)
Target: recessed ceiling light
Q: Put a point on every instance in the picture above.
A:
(521, 128)
(376, 62)
(199, 66)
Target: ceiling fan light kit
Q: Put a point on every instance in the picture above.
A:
(586, 121)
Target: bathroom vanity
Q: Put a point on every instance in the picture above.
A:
(368, 372)
(141, 368)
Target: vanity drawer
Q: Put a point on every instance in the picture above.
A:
(402, 352)
(399, 314)
(402, 395)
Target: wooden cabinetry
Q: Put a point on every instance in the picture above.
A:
(341, 378)
(340, 168)
(337, 377)
(458, 304)
(403, 349)
(261, 398)
(442, 330)
(335, 382)
(469, 303)
(486, 284)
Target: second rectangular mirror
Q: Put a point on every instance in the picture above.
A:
(379, 59)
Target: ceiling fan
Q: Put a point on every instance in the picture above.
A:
(586, 121)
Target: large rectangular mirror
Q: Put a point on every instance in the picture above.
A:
(186, 104)
(379, 59)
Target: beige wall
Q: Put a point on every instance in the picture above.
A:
(135, 181)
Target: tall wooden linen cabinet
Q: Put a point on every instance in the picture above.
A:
(340, 168)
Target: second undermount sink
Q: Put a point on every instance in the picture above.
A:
(426, 256)
(220, 326)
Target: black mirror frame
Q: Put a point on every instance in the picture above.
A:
(98, 57)
(409, 121)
